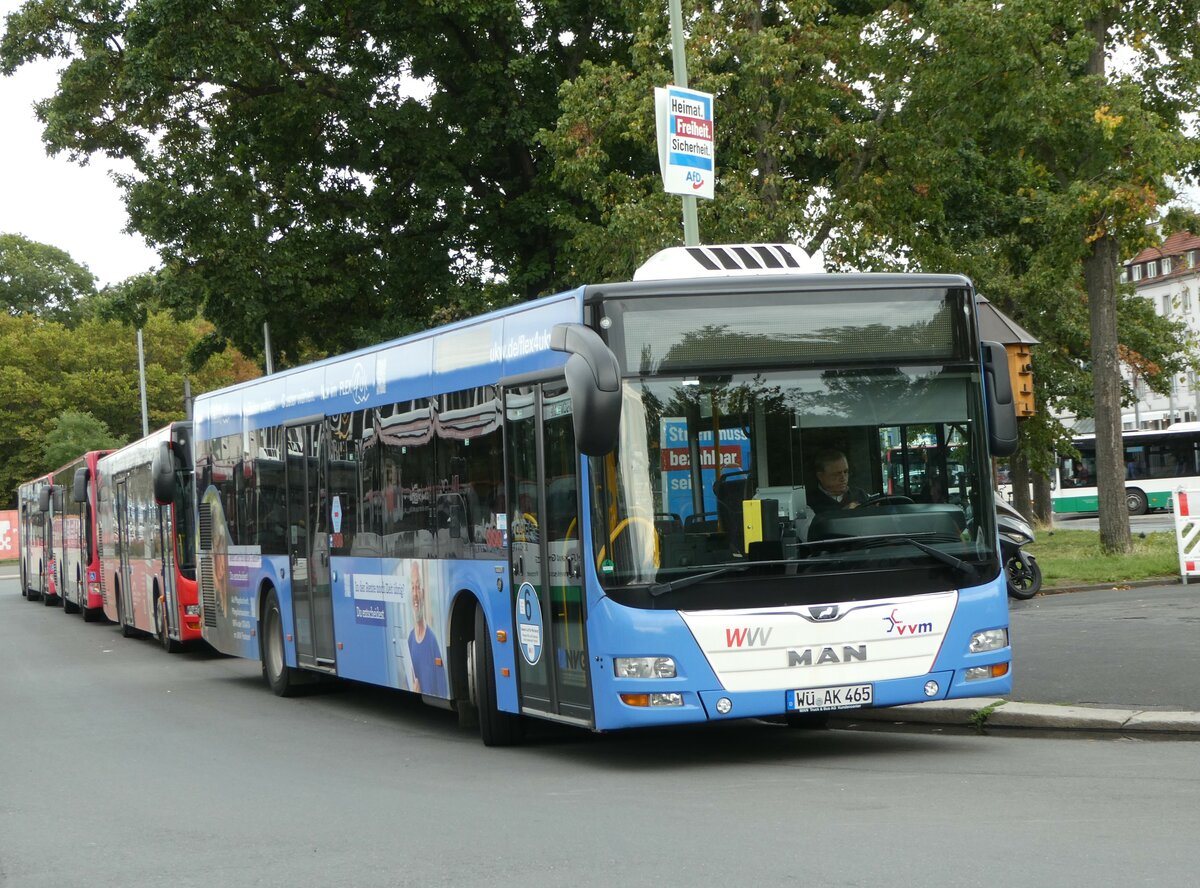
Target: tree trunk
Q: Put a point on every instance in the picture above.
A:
(1100, 277)
(1018, 474)
(1043, 512)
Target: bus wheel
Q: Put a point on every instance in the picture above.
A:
(1135, 501)
(495, 727)
(281, 677)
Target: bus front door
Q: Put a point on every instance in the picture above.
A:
(545, 554)
(126, 537)
(308, 547)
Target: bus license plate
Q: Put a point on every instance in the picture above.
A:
(831, 698)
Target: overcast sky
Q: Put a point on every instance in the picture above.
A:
(51, 199)
(78, 209)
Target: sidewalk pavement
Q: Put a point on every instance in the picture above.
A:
(982, 713)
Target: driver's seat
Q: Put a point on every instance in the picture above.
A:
(732, 489)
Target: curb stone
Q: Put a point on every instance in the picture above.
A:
(1034, 716)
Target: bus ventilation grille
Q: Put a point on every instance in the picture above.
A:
(206, 527)
(208, 591)
(103, 590)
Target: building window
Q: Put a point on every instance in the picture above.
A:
(1152, 268)
(1187, 299)
(1166, 265)
(1137, 272)
(1191, 260)
(1166, 306)
(1125, 275)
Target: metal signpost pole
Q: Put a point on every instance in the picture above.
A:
(691, 227)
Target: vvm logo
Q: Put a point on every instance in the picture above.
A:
(896, 626)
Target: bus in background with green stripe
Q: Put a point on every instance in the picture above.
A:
(1156, 463)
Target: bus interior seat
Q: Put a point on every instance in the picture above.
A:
(731, 490)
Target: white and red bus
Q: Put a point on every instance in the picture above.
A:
(33, 529)
(147, 552)
(74, 567)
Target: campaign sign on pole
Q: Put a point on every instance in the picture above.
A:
(685, 140)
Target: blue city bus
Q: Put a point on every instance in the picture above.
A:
(593, 508)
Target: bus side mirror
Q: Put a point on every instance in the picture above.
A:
(162, 469)
(594, 381)
(998, 399)
(80, 485)
(44, 499)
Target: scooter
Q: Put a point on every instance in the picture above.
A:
(1024, 575)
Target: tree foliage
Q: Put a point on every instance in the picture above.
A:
(41, 280)
(72, 433)
(341, 170)
(48, 369)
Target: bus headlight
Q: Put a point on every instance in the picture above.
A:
(644, 667)
(988, 640)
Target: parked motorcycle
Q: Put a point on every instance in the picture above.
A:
(1020, 567)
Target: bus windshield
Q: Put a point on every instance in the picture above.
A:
(906, 465)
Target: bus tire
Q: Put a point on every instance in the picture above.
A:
(282, 678)
(1135, 501)
(496, 728)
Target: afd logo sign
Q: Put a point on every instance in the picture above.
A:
(746, 636)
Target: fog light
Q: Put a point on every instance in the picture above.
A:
(988, 640)
(724, 705)
(931, 688)
(644, 667)
(666, 699)
(192, 610)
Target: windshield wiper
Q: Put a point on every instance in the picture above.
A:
(683, 582)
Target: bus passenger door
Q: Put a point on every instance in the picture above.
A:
(125, 534)
(308, 547)
(545, 554)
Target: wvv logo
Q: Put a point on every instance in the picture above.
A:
(746, 637)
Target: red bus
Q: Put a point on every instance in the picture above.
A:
(33, 529)
(147, 542)
(74, 568)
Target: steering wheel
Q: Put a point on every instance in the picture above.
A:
(622, 527)
(886, 499)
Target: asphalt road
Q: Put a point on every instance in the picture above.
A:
(1151, 522)
(124, 766)
(1111, 647)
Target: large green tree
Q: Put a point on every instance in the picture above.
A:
(339, 169)
(38, 279)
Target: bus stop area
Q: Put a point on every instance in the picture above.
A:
(1122, 659)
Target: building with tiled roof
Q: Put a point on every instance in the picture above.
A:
(1169, 276)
